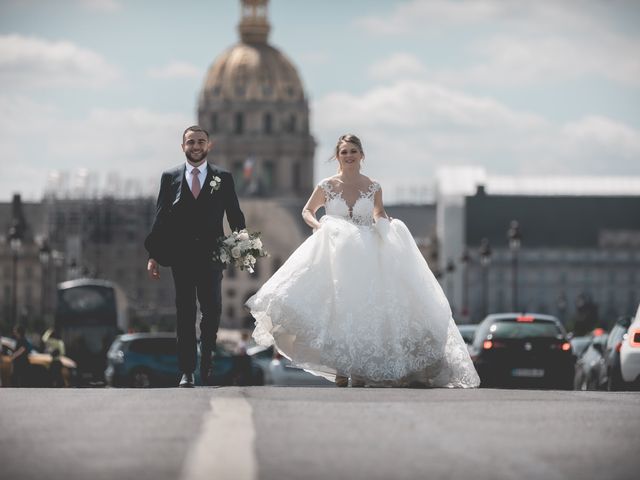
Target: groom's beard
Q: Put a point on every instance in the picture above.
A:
(198, 158)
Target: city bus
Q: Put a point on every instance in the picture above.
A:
(89, 314)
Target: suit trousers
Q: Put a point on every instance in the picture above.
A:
(202, 281)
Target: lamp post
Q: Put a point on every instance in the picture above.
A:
(485, 260)
(465, 259)
(45, 258)
(450, 269)
(515, 238)
(15, 243)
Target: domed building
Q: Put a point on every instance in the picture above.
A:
(254, 106)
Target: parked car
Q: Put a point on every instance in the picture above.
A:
(151, 360)
(468, 331)
(611, 375)
(523, 350)
(630, 354)
(283, 373)
(39, 374)
(590, 364)
(262, 356)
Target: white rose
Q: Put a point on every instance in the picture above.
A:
(235, 252)
(257, 243)
(243, 235)
(245, 245)
(251, 259)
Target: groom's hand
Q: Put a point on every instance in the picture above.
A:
(153, 269)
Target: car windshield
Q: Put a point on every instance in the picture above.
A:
(509, 329)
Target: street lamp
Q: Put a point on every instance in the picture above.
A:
(450, 268)
(485, 260)
(15, 243)
(45, 258)
(515, 238)
(465, 259)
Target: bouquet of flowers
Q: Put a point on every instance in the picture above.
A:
(241, 249)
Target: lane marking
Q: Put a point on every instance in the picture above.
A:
(226, 446)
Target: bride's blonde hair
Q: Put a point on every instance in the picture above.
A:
(347, 138)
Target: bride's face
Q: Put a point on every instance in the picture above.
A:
(349, 156)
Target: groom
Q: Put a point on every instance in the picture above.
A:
(193, 199)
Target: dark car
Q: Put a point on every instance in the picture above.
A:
(591, 364)
(151, 360)
(523, 350)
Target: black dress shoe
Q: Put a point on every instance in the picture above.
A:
(186, 381)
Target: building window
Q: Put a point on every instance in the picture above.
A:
(295, 175)
(214, 122)
(238, 174)
(231, 292)
(239, 124)
(269, 175)
(231, 312)
(290, 124)
(267, 124)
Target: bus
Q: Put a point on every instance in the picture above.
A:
(89, 314)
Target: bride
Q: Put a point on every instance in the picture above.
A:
(357, 300)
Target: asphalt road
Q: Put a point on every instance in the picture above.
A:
(317, 433)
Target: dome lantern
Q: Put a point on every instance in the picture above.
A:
(254, 26)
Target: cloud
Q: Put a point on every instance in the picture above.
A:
(176, 69)
(411, 128)
(102, 5)
(515, 43)
(398, 65)
(36, 139)
(27, 62)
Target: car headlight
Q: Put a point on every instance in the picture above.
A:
(117, 356)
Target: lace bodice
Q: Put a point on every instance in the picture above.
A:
(360, 213)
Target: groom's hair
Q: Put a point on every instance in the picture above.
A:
(194, 128)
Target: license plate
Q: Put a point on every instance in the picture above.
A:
(527, 372)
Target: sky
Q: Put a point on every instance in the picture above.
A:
(516, 87)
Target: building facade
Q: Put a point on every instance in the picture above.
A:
(575, 247)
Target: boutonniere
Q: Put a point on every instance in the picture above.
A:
(215, 183)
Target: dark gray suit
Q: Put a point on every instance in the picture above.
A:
(184, 235)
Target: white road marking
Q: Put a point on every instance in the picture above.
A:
(225, 449)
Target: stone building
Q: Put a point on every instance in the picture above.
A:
(577, 244)
(254, 105)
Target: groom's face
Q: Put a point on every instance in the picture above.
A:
(196, 146)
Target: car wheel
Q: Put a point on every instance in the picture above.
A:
(140, 379)
(614, 380)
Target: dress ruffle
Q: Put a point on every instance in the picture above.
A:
(362, 301)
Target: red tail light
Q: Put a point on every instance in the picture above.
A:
(598, 331)
(634, 338)
(489, 344)
(525, 318)
(566, 346)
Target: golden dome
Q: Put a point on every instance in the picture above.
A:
(254, 71)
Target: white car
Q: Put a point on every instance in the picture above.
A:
(630, 352)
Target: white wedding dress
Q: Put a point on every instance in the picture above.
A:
(357, 298)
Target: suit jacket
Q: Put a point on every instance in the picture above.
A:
(187, 229)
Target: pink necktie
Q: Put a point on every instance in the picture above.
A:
(195, 186)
